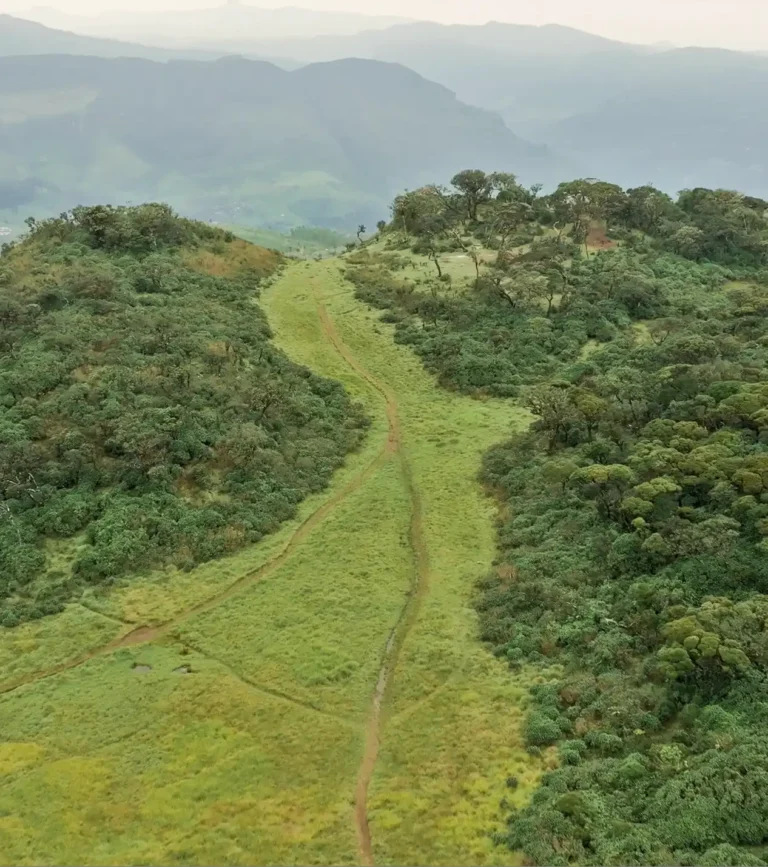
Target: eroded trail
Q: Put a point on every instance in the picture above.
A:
(419, 586)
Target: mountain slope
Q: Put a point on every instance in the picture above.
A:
(693, 117)
(329, 143)
(625, 112)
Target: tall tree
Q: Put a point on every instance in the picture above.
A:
(475, 188)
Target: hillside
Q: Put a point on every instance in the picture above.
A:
(597, 355)
(238, 141)
(318, 697)
(686, 118)
(631, 571)
(146, 419)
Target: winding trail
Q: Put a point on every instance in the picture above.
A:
(417, 591)
(391, 651)
(429, 706)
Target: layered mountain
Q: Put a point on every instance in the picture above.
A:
(324, 144)
(628, 113)
(496, 66)
(693, 117)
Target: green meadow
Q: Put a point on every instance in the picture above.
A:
(333, 668)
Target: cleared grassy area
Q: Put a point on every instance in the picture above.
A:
(451, 715)
(315, 629)
(253, 756)
(456, 264)
(118, 765)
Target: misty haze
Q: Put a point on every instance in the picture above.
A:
(384, 433)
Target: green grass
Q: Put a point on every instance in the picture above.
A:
(451, 719)
(458, 265)
(253, 757)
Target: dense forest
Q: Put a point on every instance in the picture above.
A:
(146, 419)
(632, 569)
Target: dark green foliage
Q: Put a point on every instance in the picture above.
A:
(144, 414)
(633, 547)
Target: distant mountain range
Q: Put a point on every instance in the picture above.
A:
(494, 65)
(228, 21)
(628, 113)
(239, 140)
(20, 37)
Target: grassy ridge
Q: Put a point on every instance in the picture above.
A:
(447, 715)
(253, 757)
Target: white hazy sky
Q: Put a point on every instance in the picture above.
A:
(728, 23)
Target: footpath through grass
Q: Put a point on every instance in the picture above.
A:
(451, 713)
(254, 756)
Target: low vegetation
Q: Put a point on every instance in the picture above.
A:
(634, 519)
(616, 340)
(146, 418)
(254, 755)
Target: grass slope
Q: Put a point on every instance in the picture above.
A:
(450, 710)
(255, 755)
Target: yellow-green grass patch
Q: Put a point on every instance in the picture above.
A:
(452, 714)
(253, 756)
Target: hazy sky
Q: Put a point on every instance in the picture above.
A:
(731, 23)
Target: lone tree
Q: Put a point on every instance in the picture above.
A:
(361, 230)
(476, 188)
(425, 214)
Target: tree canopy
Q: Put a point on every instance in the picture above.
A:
(146, 418)
(632, 568)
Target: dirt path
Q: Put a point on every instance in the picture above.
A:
(413, 745)
(391, 650)
(418, 589)
(145, 634)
